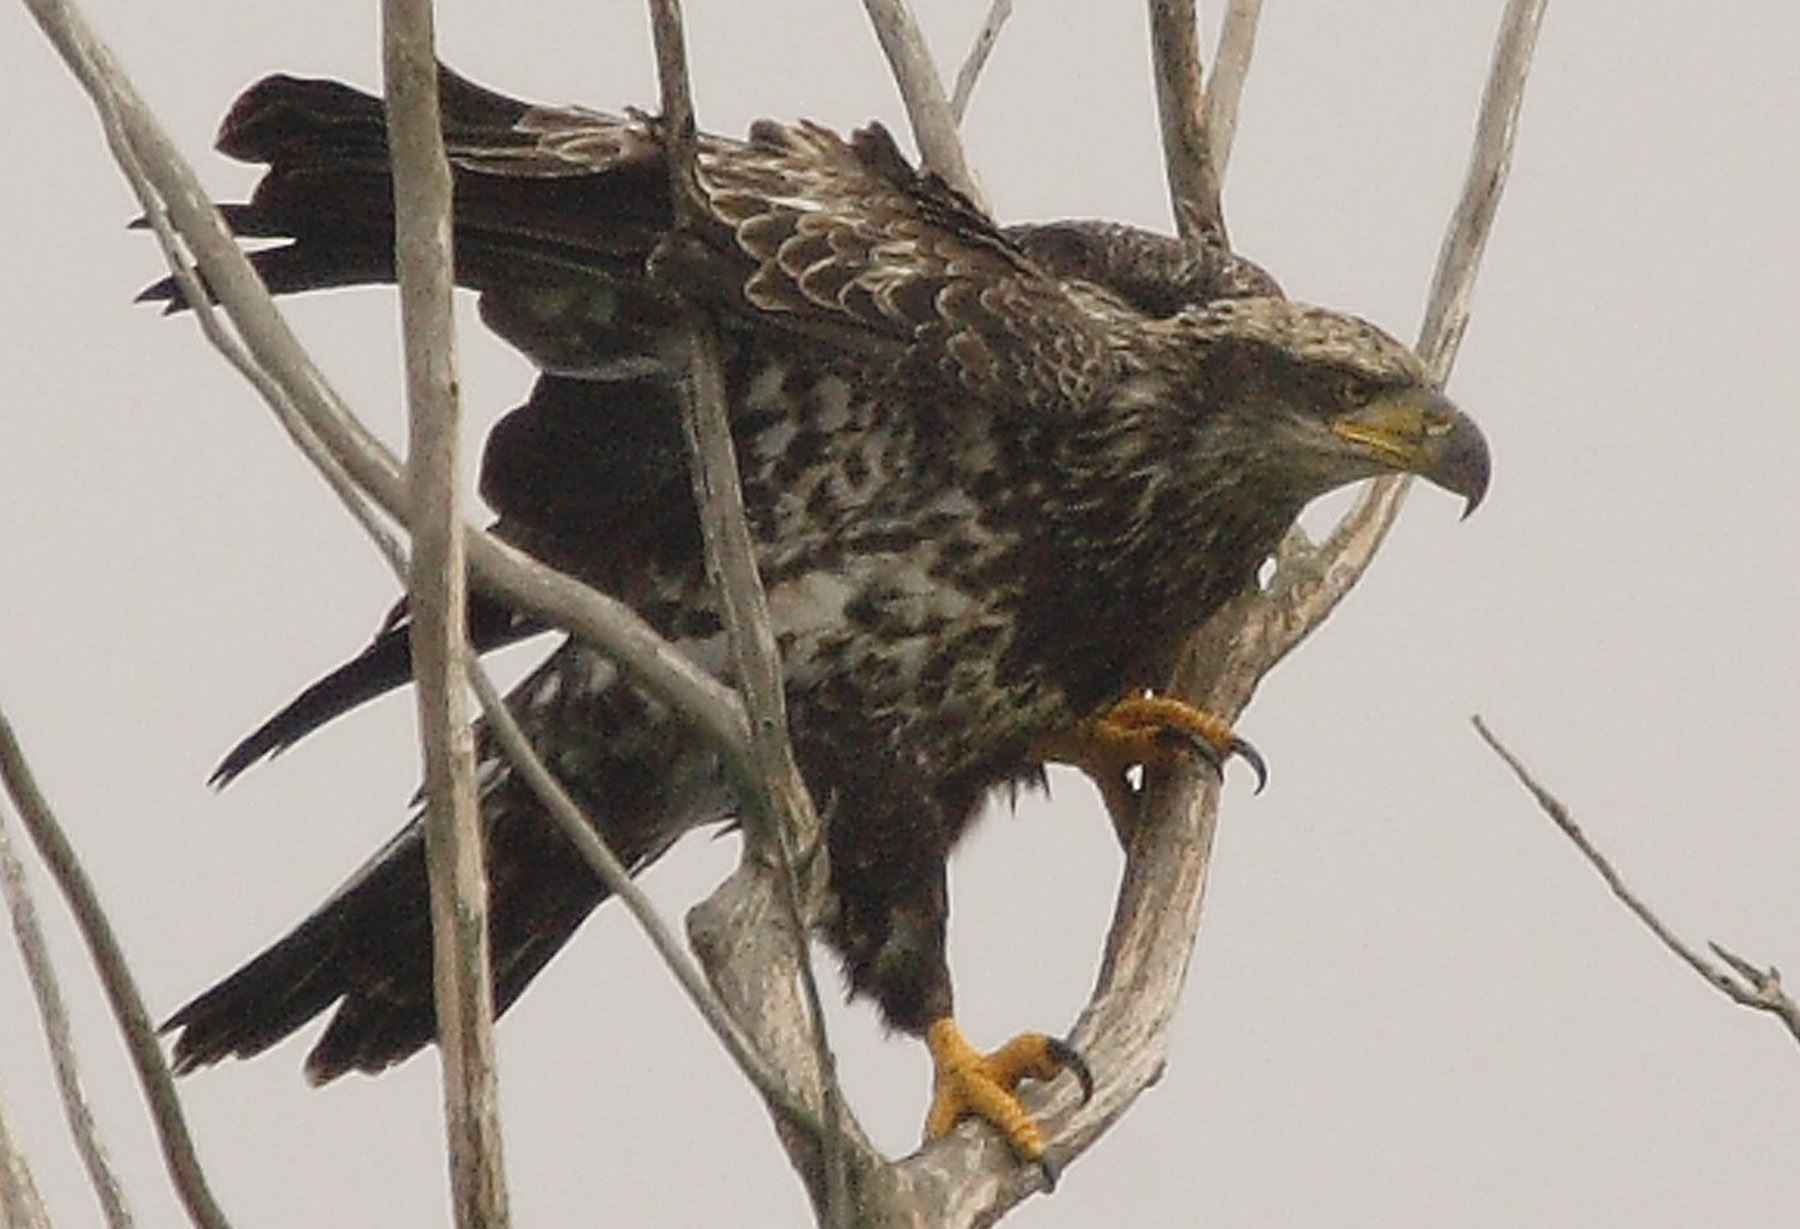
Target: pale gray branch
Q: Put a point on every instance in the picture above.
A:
(1124, 1029)
(1758, 988)
(1225, 84)
(21, 1207)
(972, 1178)
(496, 568)
(922, 91)
(584, 835)
(1194, 186)
(293, 383)
(979, 50)
(1308, 599)
(784, 822)
(1496, 132)
(437, 601)
(122, 993)
(40, 971)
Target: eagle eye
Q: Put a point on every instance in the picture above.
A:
(1351, 392)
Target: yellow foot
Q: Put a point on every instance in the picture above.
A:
(1149, 730)
(967, 1082)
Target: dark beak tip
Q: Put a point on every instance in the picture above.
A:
(1463, 466)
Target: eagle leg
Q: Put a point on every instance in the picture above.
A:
(968, 1083)
(1150, 730)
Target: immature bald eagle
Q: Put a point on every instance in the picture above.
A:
(994, 476)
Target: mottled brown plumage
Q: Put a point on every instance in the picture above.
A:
(994, 476)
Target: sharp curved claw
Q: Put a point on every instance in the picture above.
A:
(1048, 1168)
(1240, 747)
(1071, 1058)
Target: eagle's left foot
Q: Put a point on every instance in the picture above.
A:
(1150, 730)
(967, 1082)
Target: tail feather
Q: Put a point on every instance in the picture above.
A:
(583, 471)
(523, 213)
(368, 949)
(633, 767)
(377, 670)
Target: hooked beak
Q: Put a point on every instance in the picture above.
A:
(1419, 431)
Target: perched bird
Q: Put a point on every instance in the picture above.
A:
(994, 475)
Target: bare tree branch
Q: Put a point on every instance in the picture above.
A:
(922, 91)
(140, 145)
(115, 977)
(1125, 1025)
(1124, 1029)
(21, 1207)
(1181, 110)
(1225, 84)
(1752, 987)
(462, 983)
(584, 834)
(972, 1178)
(292, 383)
(788, 829)
(54, 1012)
(983, 46)
(1306, 596)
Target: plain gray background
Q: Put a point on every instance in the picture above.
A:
(1411, 1004)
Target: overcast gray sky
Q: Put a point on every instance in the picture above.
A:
(1410, 1004)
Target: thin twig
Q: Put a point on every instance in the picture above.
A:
(788, 820)
(1760, 988)
(1225, 84)
(979, 50)
(40, 970)
(462, 984)
(115, 978)
(922, 92)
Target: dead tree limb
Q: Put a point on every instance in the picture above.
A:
(784, 832)
(21, 1206)
(1752, 987)
(53, 1011)
(437, 596)
(122, 993)
(928, 108)
(979, 51)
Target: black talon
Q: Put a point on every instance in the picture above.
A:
(1066, 1054)
(1241, 748)
(1047, 1167)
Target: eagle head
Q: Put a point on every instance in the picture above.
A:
(1311, 399)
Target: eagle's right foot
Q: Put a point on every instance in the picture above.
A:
(1149, 730)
